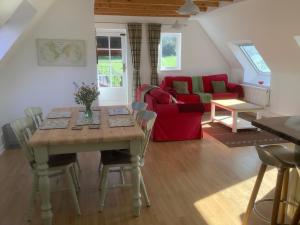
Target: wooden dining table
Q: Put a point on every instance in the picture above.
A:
(61, 141)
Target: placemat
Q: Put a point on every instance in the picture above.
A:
(121, 122)
(81, 120)
(50, 124)
(55, 115)
(118, 111)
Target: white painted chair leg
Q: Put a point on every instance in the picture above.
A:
(73, 190)
(144, 191)
(122, 174)
(103, 186)
(32, 196)
(75, 177)
(78, 164)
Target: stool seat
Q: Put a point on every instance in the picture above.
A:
(276, 155)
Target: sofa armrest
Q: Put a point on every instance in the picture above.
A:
(237, 88)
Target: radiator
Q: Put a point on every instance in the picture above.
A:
(257, 95)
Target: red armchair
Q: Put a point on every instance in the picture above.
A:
(175, 121)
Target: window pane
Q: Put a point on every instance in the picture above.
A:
(102, 42)
(256, 58)
(103, 66)
(168, 49)
(116, 81)
(116, 62)
(115, 42)
(104, 81)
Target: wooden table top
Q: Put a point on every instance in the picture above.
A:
(86, 135)
(237, 105)
(286, 127)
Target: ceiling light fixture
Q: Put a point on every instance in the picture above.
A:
(177, 25)
(189, 8)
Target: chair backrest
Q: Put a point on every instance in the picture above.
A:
(138, 106)
(36, 114)
(147, 119)
(23, 129)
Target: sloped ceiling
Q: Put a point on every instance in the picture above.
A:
(271, 26)
(7, 8)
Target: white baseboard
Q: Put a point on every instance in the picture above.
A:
(2, 149)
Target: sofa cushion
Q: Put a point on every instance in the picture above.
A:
(168, 82)
(207, 86)
(181, 87)
(190, 98)
(161, 96)
(218, 86)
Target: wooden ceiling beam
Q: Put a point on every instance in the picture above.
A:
(143, 14)
(157, 2)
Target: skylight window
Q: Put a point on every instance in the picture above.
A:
(255, 58)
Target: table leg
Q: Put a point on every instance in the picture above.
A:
(41, 158)
(258, 116)
(234, 121)
(212, 112)
(135, 150)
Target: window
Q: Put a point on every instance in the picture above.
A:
(110, 61)
(170, 51)
(255, 58)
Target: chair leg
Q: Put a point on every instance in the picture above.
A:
(144, 191)
(100, 174)
(78, 164)
(75, 177)
(254, 193)
(284, 192)
(296, 217)
(32, 196)
(277, 194)
(103, 186)
(73, 190)
(122, 175)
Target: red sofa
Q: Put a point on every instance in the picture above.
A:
(233, 90)
(175, 121)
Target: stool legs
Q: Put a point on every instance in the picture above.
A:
(296, 217)
(277, 196)
(258, 181)
(284, 192)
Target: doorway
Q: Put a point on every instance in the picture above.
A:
(112, 67)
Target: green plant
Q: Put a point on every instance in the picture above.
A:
(86, 94)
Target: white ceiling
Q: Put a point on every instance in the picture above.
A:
(7, 8)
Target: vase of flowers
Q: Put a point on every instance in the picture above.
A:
(85, 95)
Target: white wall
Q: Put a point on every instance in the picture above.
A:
(199, 54)
(23, 83)
(271, 26)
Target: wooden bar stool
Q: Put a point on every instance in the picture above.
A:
(283, 159)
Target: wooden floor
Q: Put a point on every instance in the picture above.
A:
(199, 182)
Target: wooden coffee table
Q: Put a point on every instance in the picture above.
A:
(235, 106)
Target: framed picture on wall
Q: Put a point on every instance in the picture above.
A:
(61, 52)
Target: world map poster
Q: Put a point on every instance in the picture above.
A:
(61, 52)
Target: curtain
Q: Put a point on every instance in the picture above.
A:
(135, 39)
(154, 40)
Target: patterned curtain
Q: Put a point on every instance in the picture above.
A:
(135, 39)
(154, 40)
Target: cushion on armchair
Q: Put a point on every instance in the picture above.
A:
(181, 87)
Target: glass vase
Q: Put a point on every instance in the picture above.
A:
(88, 113)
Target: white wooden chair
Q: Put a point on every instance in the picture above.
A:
(58, 164)
(36, 114)
(122, 158)
(137, 107)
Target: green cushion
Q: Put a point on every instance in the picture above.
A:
(218, 86)
(205, 97)
(181, 87)
(197, 84)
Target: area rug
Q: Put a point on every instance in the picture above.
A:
(248, 137)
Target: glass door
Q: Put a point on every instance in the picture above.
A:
(111, 68)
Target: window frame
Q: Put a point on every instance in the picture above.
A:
(178, 51)
(251, 61)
